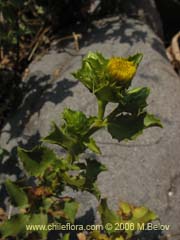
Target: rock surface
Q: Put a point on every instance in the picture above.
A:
(142, 172)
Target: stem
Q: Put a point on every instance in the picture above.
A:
(101, 109)
(92, 131)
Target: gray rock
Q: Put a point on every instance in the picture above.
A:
(144, 171)
(144, 10)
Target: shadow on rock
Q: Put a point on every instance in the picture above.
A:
(37, 91)
(123, 30)
(150, 235)
(80, 223)
(11, 168)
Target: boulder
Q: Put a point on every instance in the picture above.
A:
(144, 171)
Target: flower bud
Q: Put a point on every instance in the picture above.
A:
(121, 69)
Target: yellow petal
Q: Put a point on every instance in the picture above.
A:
(121, 69)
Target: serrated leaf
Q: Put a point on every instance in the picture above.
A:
(66, 236)
(86, 76)
(76, 123)
(126, 127)
(93, 169)
(97, 57)
(74, 181)
(129, 127)
(39, 219)
(37, 160)
(93, 189)
(92, 146)
(14, 226)
(56, 136)
(140, 212)
(17, 195)
(151, 216)
(70, 209)
(125, 207)
(86, 179)
(107, 215)
(144, 215)
(92, 73)
(134, 100)
(151, 120)
(136, 59)
(109, 93)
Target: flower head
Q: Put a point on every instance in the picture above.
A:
(121, 69)
(107, 78)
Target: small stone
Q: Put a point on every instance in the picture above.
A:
(170, 193)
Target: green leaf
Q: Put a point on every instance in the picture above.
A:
(56, 136)
(73, 132)
(129, 127)
(37, 160)
(76, 123)
(76, 182)
(136, 59)
(150, 120)
(47, 202)
(92, 73)
(94, 189)
(134, 100)
(125, 207)
(70, 209)
(86, 177)
(17, 195)
(140, 212)
(3, 153)
(14, 226)
(91, 171)
(150, 216)
(92, 146)
(40, 219)
(86, 75)
(109, 93)
(143, 215)
(126, 127)
(66, 236)
(97, 57)
(107, 215)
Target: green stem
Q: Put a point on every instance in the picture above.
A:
(70, 158)
(92, 130)
(101, 109)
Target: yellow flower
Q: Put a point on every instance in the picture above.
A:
(121, 69)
